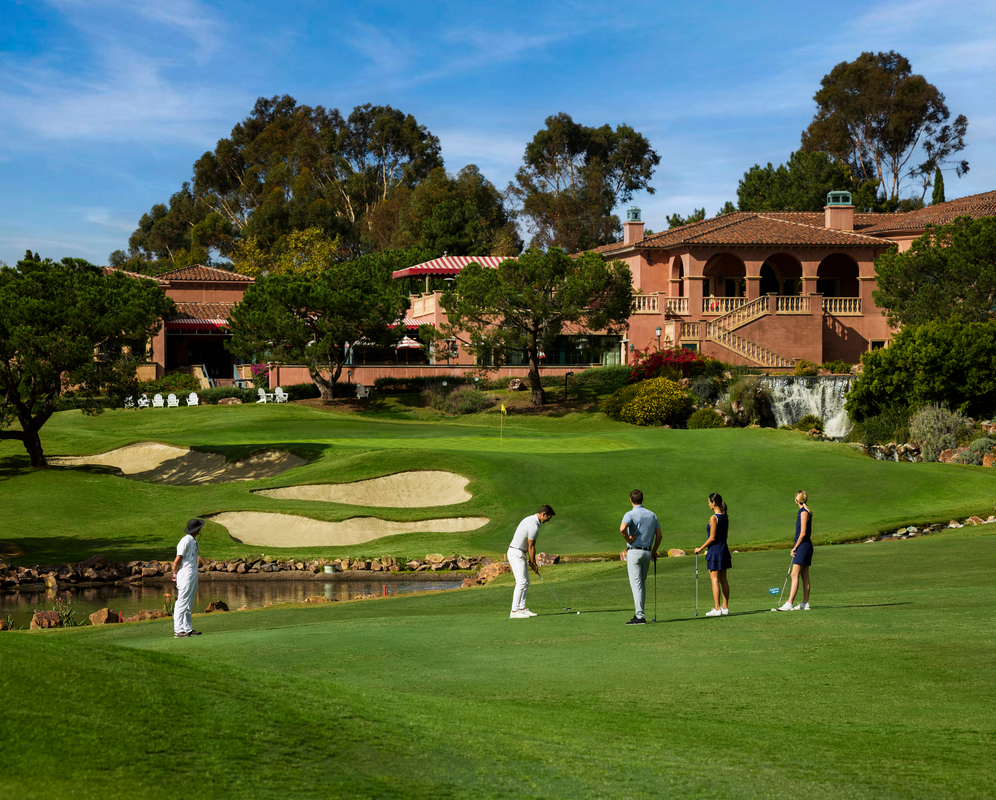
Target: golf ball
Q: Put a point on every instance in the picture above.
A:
(579, 613)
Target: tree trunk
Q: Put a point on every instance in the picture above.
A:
(32, 443)
(326, 387)
(539, 396)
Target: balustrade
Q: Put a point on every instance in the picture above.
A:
(792, 304)
(842, 306)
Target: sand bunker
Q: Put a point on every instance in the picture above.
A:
(286, 530)
(160, 463)
(418, 489)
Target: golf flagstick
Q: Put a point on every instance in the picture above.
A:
(696, 584)
(501, 430)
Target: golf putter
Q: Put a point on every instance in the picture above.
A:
(547, 585)
(696, 584)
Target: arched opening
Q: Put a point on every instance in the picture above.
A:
(677, 277)
(726, 276)
(837, 276)
(781, 274)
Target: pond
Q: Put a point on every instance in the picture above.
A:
(128, 600)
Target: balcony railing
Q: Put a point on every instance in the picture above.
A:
(646, 304)
(842, 306)
(792, 304)
(722, 305)
(676, 305)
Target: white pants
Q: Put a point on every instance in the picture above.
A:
(519, 563)
(186, 593)
(638, 564)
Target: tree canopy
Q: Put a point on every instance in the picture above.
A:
(573, 177)
(801, 184)
(524, 305)
(317, 315)
(948, 363)
(948, 273)
(885, 122)
(67, 324)
(290, 167)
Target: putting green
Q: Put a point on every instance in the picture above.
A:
(477, 444)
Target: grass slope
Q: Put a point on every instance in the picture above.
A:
(582, 464)
(881, 691)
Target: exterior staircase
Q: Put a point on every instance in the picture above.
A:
(721, 331)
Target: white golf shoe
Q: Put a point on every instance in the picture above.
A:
(726, 612)
(787, 607)
(528, 613)
(518, 615)
(714, 613)
(802, 607)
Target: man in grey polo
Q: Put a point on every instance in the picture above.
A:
(642, 533)
(522, 556)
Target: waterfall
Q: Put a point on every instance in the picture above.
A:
(794, 397)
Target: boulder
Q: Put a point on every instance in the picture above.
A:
(216, 605)
(229, 401)
(989, 459)
(492, 571)
(413, 564)
(150, 572)
(435, 558)
(4, 626)
(464, 563)
(243, 608)
(674, 552)
(546, 559)
(45, 619)
(318, 598)
(94, 561)
(974, 520)
(104, 616)
(376, 566)
(51, 582)
(468, 582)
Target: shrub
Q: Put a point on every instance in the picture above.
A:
(657, 402)
(808, 422)
(892, 426)
(705, 388)
(935, 429)
(805, 368)
(705, 418)
(417, 383)
(837, 367)
(308, 390)
(467, 400)
(176, 383)
(603, 376)
(212, 396)
(982, 446)
(967, 457)
(676, 363)
(612, 405)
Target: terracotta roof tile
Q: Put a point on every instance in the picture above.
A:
(201, 312)
(156, 278)
(199, 272)
(975, 205)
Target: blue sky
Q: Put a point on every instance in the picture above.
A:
(106, 104)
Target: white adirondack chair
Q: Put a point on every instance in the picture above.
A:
(192, 400)
(264, 396)
(143, 401)
(172, 401)
(362, 393)
(157, 401)
(280, 396)
(129, 402)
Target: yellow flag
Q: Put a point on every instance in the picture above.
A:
(503, 411)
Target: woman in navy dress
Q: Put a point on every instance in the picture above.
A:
(802, 555)
(718, 558)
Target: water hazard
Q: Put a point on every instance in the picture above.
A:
(128, 600)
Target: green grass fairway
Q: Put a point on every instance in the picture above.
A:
(582, 464)
(883, 691)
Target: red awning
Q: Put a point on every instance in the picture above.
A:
(199, 324)
(448, 265)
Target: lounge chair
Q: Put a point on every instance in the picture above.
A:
(264, 396)
(157, 401)
(129, 402)
(280, 396)
(172, 401)
(192, 400)
(362, 393)
(143, 401)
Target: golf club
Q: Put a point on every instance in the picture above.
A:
(547, 585)
(785, 583)
(696, 584)
(655, 591)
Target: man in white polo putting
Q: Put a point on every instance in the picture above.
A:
(522, 556)
(642, 533)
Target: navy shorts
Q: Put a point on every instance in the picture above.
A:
(804, 555)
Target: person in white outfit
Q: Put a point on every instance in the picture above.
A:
(185, 578)
(522, 556)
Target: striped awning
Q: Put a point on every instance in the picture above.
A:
(448, 265)
(412, 324)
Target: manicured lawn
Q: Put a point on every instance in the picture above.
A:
(883, 690)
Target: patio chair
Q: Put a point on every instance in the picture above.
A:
(264, 396)
(143, 401)
(172, 401)
(157, 401)
(129, 402)
(280, 396)
(362, 393)
(192, 400)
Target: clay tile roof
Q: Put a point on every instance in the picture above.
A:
(975, 205)
(110, 270)
(199, 272)
(192, 313)
(747, 228)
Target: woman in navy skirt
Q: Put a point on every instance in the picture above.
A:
(718, 558)
(802, 555)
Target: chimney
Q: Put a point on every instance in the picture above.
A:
(838, 213)
(633, 226)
